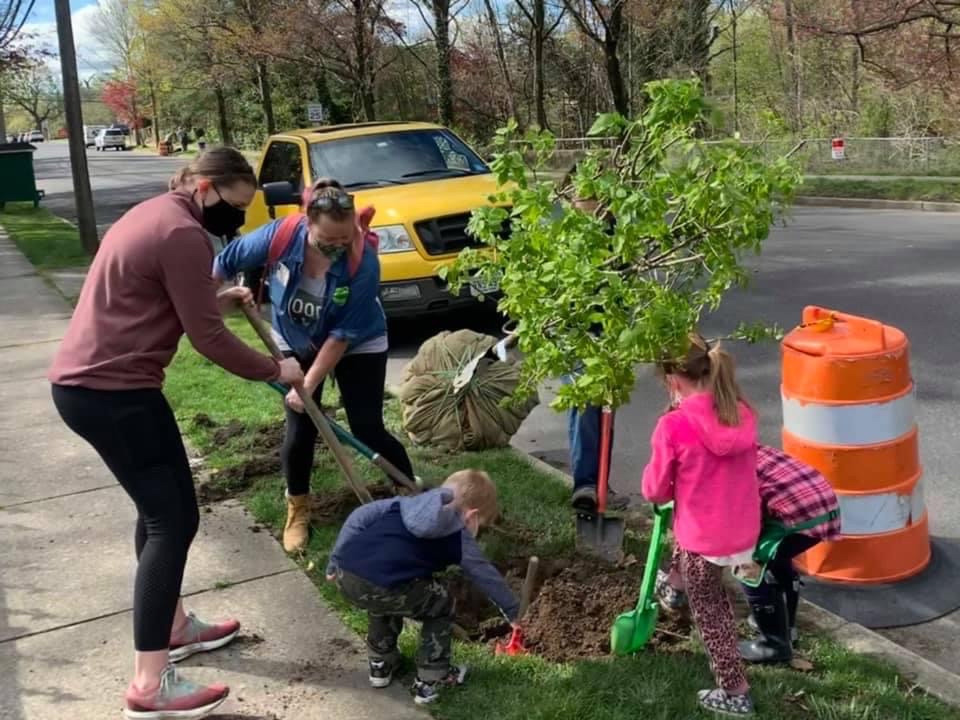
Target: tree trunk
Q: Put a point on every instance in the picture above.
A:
(223, 120)
(501, 58)
(155, 109)
(615, 77)
(266, 96)
(441, 17)
(793, 70)
(3, 119)
(539, 37)
(736, 72)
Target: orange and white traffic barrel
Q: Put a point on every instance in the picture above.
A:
(848, 410)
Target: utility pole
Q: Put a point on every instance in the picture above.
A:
(86, 221)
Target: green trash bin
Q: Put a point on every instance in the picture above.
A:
(17, 180)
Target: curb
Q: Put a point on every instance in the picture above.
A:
(876, 204)
(927, 675)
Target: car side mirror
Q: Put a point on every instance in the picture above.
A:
(279, 193)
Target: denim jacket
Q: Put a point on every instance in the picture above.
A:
(351, 307)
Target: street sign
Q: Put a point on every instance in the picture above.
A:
(837, 148)
(316, 113)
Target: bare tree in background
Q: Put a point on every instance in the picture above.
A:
(34, 90)
(542, 26)
(115, 24)
(603, 22)
(13, 16)
(439, 16)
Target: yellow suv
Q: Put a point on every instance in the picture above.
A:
(422, 179)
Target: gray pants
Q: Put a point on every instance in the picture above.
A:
(427, 601)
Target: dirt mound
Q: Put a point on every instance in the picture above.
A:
(571, 615)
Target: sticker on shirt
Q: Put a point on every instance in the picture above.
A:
(341, 295)
(282, 274)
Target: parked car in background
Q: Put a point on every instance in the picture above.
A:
(90, 133)
(111, 138)
(35, 136)
(424, 182)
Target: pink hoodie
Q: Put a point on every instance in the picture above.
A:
(710, 471)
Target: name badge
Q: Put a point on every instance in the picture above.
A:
(282, 274)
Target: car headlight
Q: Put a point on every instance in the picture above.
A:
(393, 239)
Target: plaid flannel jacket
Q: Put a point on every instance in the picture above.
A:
(793, 492)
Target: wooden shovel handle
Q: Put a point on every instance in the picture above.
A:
(526, 592)
(312, 410)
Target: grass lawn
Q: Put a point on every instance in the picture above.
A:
(48, 242)
(241, 425)
(882, 189)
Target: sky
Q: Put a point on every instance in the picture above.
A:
(91, 59)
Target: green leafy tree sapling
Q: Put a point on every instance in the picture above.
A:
(685, 211)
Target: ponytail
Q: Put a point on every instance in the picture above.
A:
(723, 386)
(711, 368)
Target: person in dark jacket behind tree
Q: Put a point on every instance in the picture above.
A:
(385, 559)
(583, 426)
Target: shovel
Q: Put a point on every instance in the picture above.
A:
(632, 630)
(391, 470)
(514, 645)
(597, 534)
(314, 412)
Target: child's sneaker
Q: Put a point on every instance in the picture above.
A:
(176, 697)
(381, 674)
(203, 637)
(718, 701)
(671, 599)
(427, 692)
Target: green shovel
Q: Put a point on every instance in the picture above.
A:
(632, 630)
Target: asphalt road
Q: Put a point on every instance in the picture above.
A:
(898, 267)
(119, 180)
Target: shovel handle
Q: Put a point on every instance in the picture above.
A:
(606, 437)
(312, 410)
(526, 592)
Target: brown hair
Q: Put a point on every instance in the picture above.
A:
(223, 166)
(713, 367)
(330, 188)
(473, 489)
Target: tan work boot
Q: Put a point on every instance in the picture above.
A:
(297, 530)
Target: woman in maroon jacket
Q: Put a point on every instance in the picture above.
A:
(148, 286)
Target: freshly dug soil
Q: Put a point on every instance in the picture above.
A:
(328, 507)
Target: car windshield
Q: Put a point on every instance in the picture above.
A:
(393, 158)
(114, 132)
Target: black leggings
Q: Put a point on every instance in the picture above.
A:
(136, 435)
(360, 379)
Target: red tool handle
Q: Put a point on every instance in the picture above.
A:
(606, 442)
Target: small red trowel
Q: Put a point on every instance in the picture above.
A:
(514, 645)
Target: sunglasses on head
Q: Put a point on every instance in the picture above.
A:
(326, 203)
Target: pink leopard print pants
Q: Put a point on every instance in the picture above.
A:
(713, 614)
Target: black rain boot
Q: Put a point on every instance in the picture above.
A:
(793, 600)
(773, 646)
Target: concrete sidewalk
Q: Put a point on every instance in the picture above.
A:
(66, 570)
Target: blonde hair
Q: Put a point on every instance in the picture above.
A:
(714, 368)
(223, 166)
(474, 490)
(330, 188)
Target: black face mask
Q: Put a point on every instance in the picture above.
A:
(222, 219)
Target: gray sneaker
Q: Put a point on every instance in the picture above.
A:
(585, 500)
(175, 698)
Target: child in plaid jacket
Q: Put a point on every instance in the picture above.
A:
(793, 493)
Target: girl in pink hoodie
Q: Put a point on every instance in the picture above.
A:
(703, 457)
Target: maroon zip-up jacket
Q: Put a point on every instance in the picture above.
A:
(149, 284)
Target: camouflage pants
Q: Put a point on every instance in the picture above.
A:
(427, 601)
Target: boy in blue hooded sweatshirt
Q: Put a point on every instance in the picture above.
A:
(385, 560)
